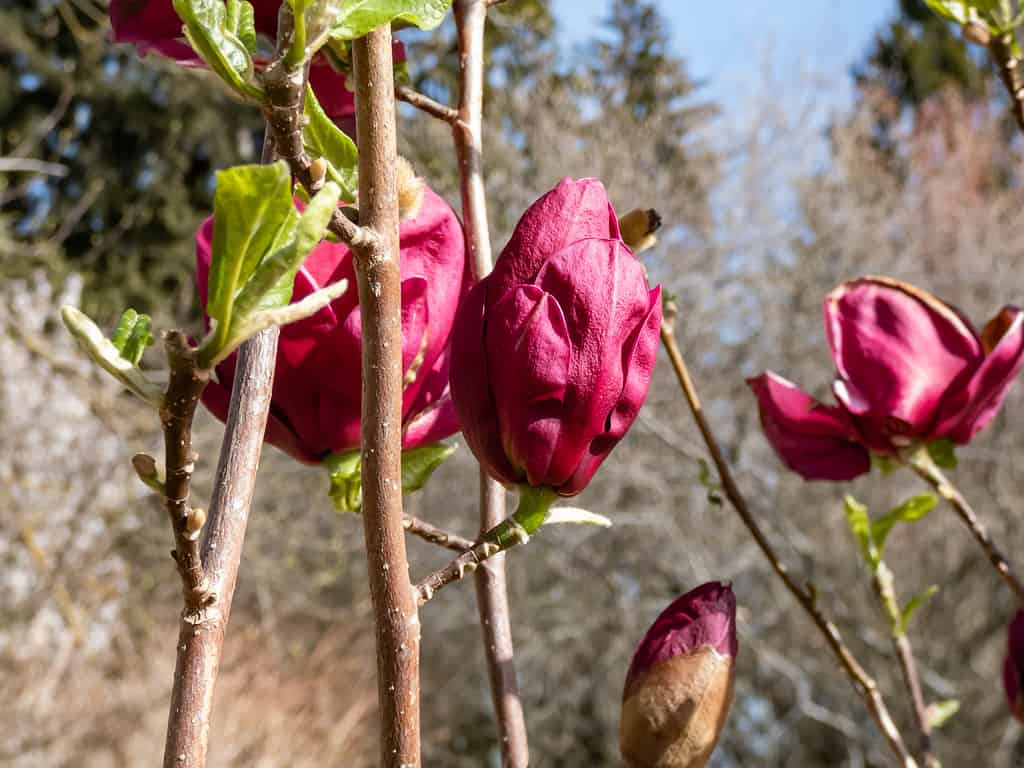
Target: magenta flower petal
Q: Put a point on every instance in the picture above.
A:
(1013, 666)
(572, 211)
(814, 440)
(529, 354)
(897, 350)
(471, 388)
(144, 21)
(967, 411)
(433, 415)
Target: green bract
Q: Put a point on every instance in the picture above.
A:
(325, 139)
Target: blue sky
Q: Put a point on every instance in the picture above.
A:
(725, 42)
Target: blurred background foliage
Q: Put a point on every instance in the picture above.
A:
(765, 212)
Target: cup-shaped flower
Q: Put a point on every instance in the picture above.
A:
(315, 408)
(1013, 666)
(910, 369)
(680, 685)
(552, 353)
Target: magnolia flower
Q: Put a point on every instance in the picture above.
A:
(315, 409)
(153, 25)
(552, 353)
(680, 684)
(910, 370)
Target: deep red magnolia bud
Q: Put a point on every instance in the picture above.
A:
(910, 369)
(1013, 666)
(680, 685)
(316, 401)
(152, 25)
(552, 353)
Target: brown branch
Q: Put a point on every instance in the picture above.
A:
(186, 384)
(426, 104)
(922, 464)
(1008, 66)
(883, 584)
(286, 92)
(201, 632)
(491, 586)
(431, 533)
(377, 275)
(863, 683)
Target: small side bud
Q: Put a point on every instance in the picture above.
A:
(680, 685)
(638, 228)
(977, 32)
(194, 523)
(317, 173)
(410, 191)
(145, 467)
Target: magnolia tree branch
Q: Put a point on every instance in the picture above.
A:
(491, 586)
(434, 535)
(1008, 66)
(426, 104)
(202, 628)
(883, 584)
(377, 273)
(863, 683)
(922, 464)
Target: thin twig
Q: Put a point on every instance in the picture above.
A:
(203, 625)
(883, 584)
(426, 104)
(491, 582)
(377, 274)
(925, 468)
(435, 535)
(186, 384)
(1008, 66)
(31, 165)
(201, 632)
(863, 683)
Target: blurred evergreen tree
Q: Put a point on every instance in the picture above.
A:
(139, 140)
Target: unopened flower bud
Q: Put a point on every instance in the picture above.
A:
(977, 32)
(1013, 666)
(638, 228)
(680, 685)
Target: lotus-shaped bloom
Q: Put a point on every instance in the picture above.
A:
(153, 25)
(680, 684)
(552, 353)
(910, 369)
(315, 409)
(1013, 666)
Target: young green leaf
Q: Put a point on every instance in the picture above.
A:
(418, 464)
(109, 357)
(358, 17)
(325, 139)
(939, 713)
(909, 511)
(943, 453)
(209, 33)
(712, 486)
(242, 23)
(251, 204)
(915, 602)
(345, 472)
(860, 525)
(954, 10)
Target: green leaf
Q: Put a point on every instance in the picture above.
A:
(133, 334)
(242, 23)
(860, 525)
(909, 511)
(270, 285)
(943, 453)
(418, 464)
(915, 602)
(577, 516)
(708, 481)
(939, 713)
(109, 357)
(250, 205)
(358, 17)
(345, 471)
(954, 10)
(325, 139)
(885, 464)
(210, 35)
